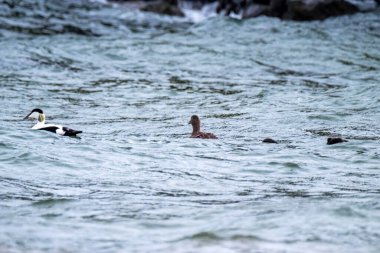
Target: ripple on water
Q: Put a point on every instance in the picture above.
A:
(210, 236)
(348, 212)
(51, 202)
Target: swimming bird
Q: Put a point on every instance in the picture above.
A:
(196, 123)
(335, 140)
(269, 140)
(40, 116)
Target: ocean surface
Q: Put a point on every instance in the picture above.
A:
(135, 182)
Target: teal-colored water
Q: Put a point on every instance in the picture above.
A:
(136, 182)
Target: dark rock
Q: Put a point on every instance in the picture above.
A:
(269, 140)
(301, 10)
(318, 10)
(277, 8)
(197, 4)
(263, 2)
(273, 8)
(335, 140)
(229, 6)
(255, 10)
(166, 7)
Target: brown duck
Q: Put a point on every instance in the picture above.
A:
(196, 123)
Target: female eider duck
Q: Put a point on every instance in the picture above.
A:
(196, 123)
(40, 116)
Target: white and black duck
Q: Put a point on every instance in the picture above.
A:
(40, 116)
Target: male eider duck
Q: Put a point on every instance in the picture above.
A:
(196, 123)
(40, 116)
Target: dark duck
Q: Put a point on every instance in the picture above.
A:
(335, 140)
(196, 123)
(40, 125)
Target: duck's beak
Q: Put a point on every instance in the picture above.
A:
(189, 122)
(27, 116)
(32, 115)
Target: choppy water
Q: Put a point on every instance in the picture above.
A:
(135, 182)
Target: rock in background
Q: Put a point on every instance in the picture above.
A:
(164, 7)
(317, 10)
(301, 10)
(167, 7)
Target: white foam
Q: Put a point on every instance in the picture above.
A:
(198, 15)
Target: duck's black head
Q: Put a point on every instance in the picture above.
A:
(37, 110)
(34, 113)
